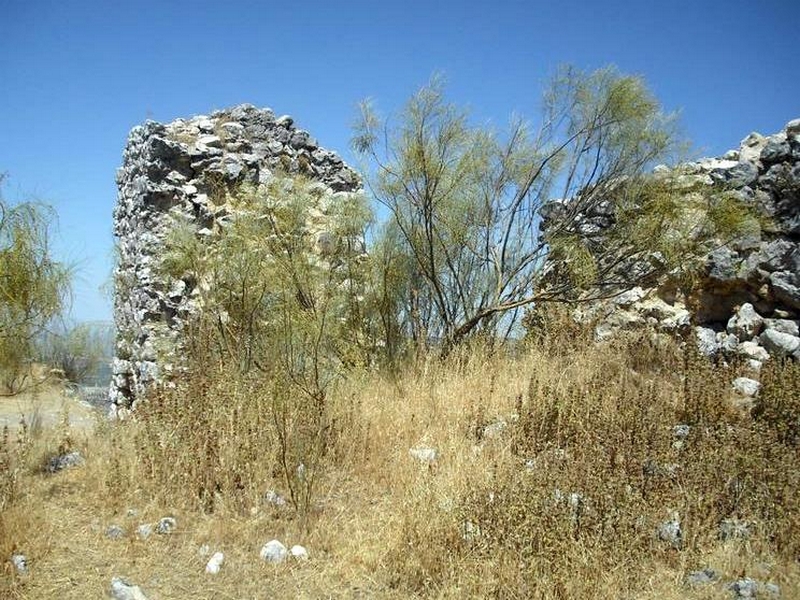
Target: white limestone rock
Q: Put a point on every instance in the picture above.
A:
(122, 590)
(746, 387)
(299, 552)
(214, 563)
(274, 552)
(671, 532)
(425, 454)
(746, 323)
(20, 562)
(779, 343)
(166, 525)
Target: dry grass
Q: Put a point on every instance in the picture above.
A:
(484, 521)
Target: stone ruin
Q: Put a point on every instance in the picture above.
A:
(747, 303)
(749, 299)
(179, 169)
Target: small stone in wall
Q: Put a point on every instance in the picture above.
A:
(783, 325)
(629, 297)
(706, 339)
(753, 351)
(779, 343)
(746, 323)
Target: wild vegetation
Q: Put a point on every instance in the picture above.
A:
(34, 288)
(556, 468)
(391, 411)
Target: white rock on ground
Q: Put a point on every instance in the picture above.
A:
(144, 531)
(274, 552)
(122, 590)
(215, 563)
(20, 562)
(274, 498)
(746, 386)
(424, 454)
(166, 525)
(671, 532)
(299, 552)
(115, 532)
(64, 461)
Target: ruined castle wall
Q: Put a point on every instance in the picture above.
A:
(181, 168)
(747, 302)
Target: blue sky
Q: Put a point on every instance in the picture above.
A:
(76, 76)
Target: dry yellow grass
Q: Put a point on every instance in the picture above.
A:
(381, 524)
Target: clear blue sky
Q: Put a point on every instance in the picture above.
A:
(75, 76)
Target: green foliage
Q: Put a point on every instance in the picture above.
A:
(280, 283)
(285, 267)
(464, 200)
(662, 226)
(33, 287)
(77, 351)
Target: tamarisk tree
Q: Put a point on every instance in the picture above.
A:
(34, 288)
(465, 250)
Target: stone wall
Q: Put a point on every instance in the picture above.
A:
(747, 302)
(183, 169)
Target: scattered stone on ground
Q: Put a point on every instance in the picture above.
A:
(299, 552)
(702, 577)
(275, 499)
(122, 590)
(680, 433)
(215, 563)
(734, 529)
(493, 430)
(166, 525)
(274, 552)
(670, 531)
(425, 454)
(64, 461)
(751, 588)
(115, 532)
(144, 531)
(20, 562)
